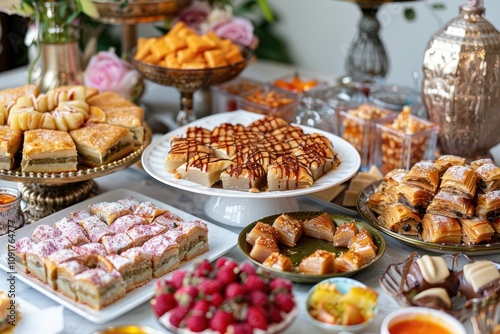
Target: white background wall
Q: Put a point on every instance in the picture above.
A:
(319, 32)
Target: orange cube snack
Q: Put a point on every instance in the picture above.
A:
(233, 55)
(194, 65)
(212, 39)
(197, 44)
(177, 27)
(171, 61)
(175, 42)
(215, 58)
(185, 55)
(160, 48)
(143, 47)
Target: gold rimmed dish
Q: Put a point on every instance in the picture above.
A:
(371, 217)
(308, 245)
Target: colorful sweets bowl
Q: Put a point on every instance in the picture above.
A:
(341, 304)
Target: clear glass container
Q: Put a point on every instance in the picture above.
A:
(225, 96)
(395, 97)
(397, 146)
(11, 214)
(357, 126)
(270, 100)
(297, 83)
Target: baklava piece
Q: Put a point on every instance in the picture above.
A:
(95, 228)
(488, 177)
(452, 205)
(168, 219)
(142, 233)
(344, 233)
(349, 261)
(461, 180)
(10, 143)
(476, 230)
(441, 229)
(289, 229)
(488, 205)
(116, 243)
(48, 151)
(128, 117)
(44, 232)
(56, 259)
(149, 211)
(196, 232)
(108, 212)
(21, 248)
(320, 227)
(415, 197)
(278, 261)
(125, 223)
(320, 262)
(65, 276)
(98, 288)
(165, 254)
(423, 174)
(99, 143)
(262, 248)
(204, 169)
(362, 244)
(261, 230)
(143, 270)
(400, 218)
(478, 163)
(446, 161)
(90, 252)
(288, 173)
(72, 231)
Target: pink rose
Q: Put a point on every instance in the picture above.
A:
(237, 29)
(195, 14)
(108, 72)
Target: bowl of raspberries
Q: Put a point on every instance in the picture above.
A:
(224, 297)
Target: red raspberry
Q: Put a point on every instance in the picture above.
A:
(203, 268)
(235, 290)
(209, 287)
(281, 284)
(226, 275)
(254, 282)
(221, 320)
(240, 328)
(163, 303)
(256, 317)
(177, 314)
(178, 278)
(217, 299)
(284, 301)
(186, 295)
(164, 286)
(197, 323)
(258, 297)
(248, 269)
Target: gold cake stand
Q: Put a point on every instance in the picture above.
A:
(47, 193)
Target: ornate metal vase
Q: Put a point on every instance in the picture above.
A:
(461, 83)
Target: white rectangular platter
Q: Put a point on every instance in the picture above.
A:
(220, 241)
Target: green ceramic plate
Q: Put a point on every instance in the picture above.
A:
(307, 245)
(371, 217)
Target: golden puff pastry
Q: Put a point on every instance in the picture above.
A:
(488, 177)
(10, 143)
(488, 205)
(415, 197)
(451, 204)
(423, 174)
(399, 218)
(476, 230)
(48, 151)
(446, 161)
(440, 229)
(460, 180)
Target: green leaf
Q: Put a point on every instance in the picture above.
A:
(88, 8)
(266, 10)
(410, 14)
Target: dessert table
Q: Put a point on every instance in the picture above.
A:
(157, 100)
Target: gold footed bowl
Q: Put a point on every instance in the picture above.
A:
(188, 81)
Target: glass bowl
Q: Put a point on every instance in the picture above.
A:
(488, 320)
(394, 282)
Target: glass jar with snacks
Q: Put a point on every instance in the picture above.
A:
(270, 100)
(225, 96)
(394, 97)
(297, 83)
(330, 100)
(402, 140)
(357, 126)
(11, 214)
